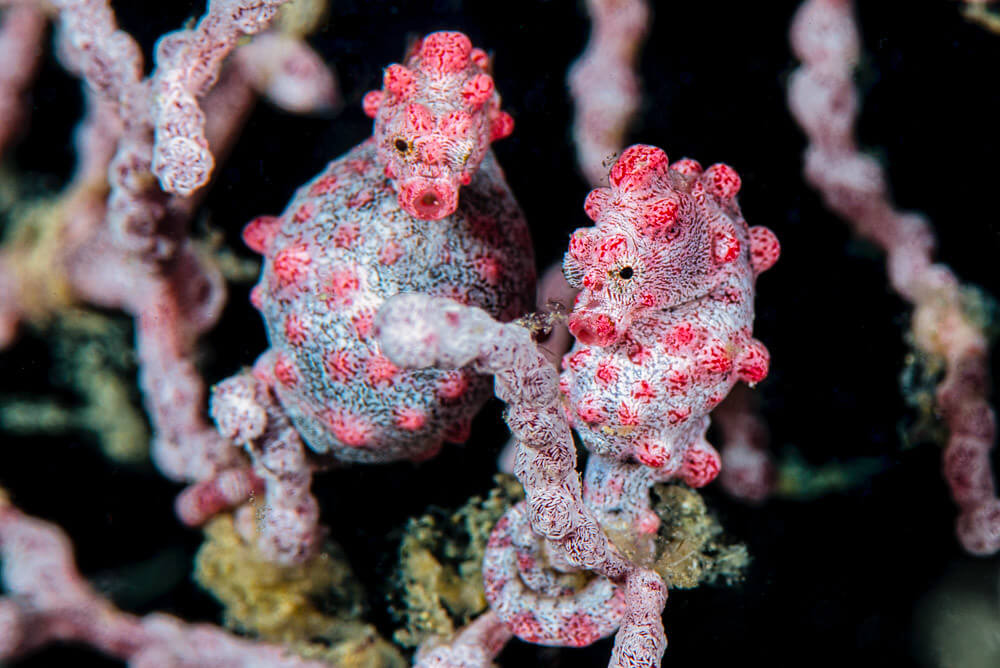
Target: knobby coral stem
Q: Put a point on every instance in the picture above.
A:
(188, 65)
(21, 34)
(474, 646)
(418, 331)
(48, 600)
(603, 83)
(823, 99)
(748, 472)
(120, 240)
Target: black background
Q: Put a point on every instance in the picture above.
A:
(833, 579)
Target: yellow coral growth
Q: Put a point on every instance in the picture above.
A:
(33, 242)
(690, 545)
(291, 605)
(440, 569)
(977, 12)
(92, 356)
(302, 17)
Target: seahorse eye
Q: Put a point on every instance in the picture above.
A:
(626, 273)
(402, 145)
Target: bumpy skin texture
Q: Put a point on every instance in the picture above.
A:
(664, 332)
(434, 120)
(663, 321)
(382, 219)
(663, 326)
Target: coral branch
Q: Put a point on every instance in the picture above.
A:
(204, 500)
(475, 646)
(185, 445)
(288, 73)
(248, 414)
(604, 87)
(747, 470)
(48, 601)
(21, 36)
(418, 331)
(823, 100)
(188, 65)
(179, 296)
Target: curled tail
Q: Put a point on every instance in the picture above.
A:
(538, 603)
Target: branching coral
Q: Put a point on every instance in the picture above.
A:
(384, 218)
(663, 324)
(118, 241)
(47, 600)
(823, 99)
(663, 333)
(604, 84)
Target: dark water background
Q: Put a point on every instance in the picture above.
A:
(833, 579)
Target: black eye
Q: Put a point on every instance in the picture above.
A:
(402, 146)
(626, 273)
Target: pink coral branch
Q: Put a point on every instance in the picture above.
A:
(475, 646)
(21, 36)
(603, 83)
(48, 601)
(747, 470)
(188, 65)
(109, 60)
(417, 331)
(204, 500)
(163, 128)
(168, 320)
(247, 413)
(823, 99)
(171, 309)
(180, 296)
(288, 73)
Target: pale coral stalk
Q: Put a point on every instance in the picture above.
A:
(247, 414)
(48, 601)
(475, 646)
(107, 245)
(823, 99)
(188, 65)
(21, 36)
(604, 84)
(417, 331)
(747, 470)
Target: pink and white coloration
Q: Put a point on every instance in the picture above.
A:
(747, 470)
(604, 84)
(384, 218)
(355, 236)
(189, 62)
(21, 33)
(47, 600)
(664, 332)
(435, 118)
(418, 331)
(663, 321)
(174, 294)
(247, 413)
(474, 646)
(824, 101)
